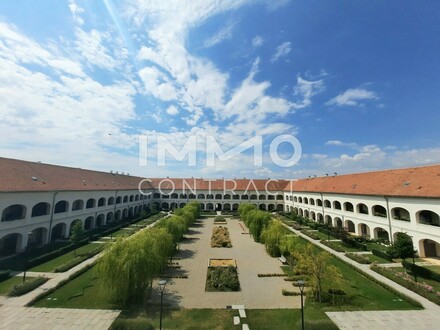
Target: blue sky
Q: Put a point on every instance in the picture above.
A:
(356, 82)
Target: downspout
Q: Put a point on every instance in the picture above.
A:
(114, 208)
(322, 206)
(49, 235)
(389, 219)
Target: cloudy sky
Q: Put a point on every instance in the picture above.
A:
(92, 83)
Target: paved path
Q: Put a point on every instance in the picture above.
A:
(417, 319)
(251, 258)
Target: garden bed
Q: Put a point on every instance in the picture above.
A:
(220, 237)
(222, 279)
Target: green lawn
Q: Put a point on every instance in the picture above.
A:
(433, 268)
(63, 259)
(5, 286)
(374, 258)
(376, 246)
(345, 247)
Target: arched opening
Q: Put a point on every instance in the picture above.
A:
(136, 198)
(111, 201)
(101, 202)
(426, 217)
(156, 195)
(58, 231)
(174, 196)
(209, 207)
(235, 196)
(350, 226)
(40, 209)
(235, 207)
(130, 212)
(90, 204)
(182, 205)
(38, 237)
(201, 196)
(218, 196)
(300, 200)
(109, 218)
(131, 198)
(328, 220)
(77, 205)
(279, 207)
(227, 207)
(245, 197)
(75, 221)
(381, 235)
(118, 200)
(192, 196)
(312, 215)
(320, 218)
(318, 202)
(348, 207)
(379, 211)
(262, 197)
(183, 196)
(262, 207)
(429, 248)
(202, 206)
(254, 197)
(270, 197)
(312, 201)
(14, 212)
(271, 207)
(210, 196)
(327, 204)
(337, 205)
(125, 199)
(306, 213)
(337, 222)
(165, 196)
(295, 199)
(279, 197)
(399, 213)
(88, 223)
(165, 206)
(100, 220)
(218, 206)
(118, 215)
(61, 207)
(362, 208)
(10, 244)
(227, 196)
(363, 230)
(124, 214)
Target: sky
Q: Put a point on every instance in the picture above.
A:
(114, 84)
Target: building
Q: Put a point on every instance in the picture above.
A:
(39, 202)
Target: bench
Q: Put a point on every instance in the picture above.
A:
(283, 260)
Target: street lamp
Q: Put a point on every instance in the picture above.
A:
(300, 285)
(162, 284)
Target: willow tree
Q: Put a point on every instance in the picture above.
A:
(257, 221)
(271, 237)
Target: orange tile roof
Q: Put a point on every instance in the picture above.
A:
(407, 182)
(17, 176)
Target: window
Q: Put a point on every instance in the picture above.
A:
(101, 202)
(77, 205)
(362, 208)
(14, 212)
(90, 203)
(61, 207)
(379, 211)
(348, 207)
(40, 209)
(399, 213)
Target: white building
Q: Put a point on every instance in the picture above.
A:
(39, 202)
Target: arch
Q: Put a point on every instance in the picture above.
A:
(131, 198)
(91, 202)
(399, 213)
(201, 196)
(429, 248)
(381, 234)
(78, 205)
(58, 231)
(427, 217)
(300, 212)
(73, 222)
(313, 215)
(362, 208)
(328, 220)
(327, 204)
(272, 197)
(245, 196)
(363, 230)
(318, 202)
(312, 201)
(279, 197)
(218, 196)
(271, 207)
(202, 206)
(183, 196)
(111, 201)
(253, 197)
(173, 205)
(40, 209)
(306, 213)
(109, 218)
(348, 207)
(14, 212)
(156, 195)
(262, 197)
(61, 207)
(136, 198)
(89, 223)
(125, 200)
(379, 211)
(10, 244)
(165, 206)
(235, 196)
(38, 237)
(165, 196)
(209, 207)
(350, 226)
(295, 199)
(118, 215)
(182, 205)
(280, 207)
(101, 202)
(130, 212)
(218, 206)
(118, 200)
(124, 214)
(174, 196)
(227, 207)
(235, 207)
(136, 210)
(306, 200)
(192, 196)
(262, 207)
(209, 196)
(100, 220)
(300, 200)
(320, 218)
(227, 196)
(337, 222)
(337, 205)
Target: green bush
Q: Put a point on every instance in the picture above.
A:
(310, 234)
(382, 254)
(222, 279)
(358, 258)
(4, 275)
(421, 271)
(335, 247)
(20, 289)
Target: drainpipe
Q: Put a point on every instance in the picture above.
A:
(389, 219)
(49, 234)
(322, 206)
(114, 208)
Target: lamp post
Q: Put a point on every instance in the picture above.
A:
(26, 258)
(301, 284)
(162, 284)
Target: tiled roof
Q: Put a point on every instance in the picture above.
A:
(19, 176)
(408, 182)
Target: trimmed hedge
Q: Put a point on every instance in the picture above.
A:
(20, 289)
(358, 258)
(382, 254)
(310, 234)
(421, 271)
(4, 275)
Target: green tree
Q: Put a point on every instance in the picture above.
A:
(402, 247)
(245, 208)
(256, 221)
(77, 234)
(289, 247)
(272, 236)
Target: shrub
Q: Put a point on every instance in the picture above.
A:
(20, 289)
(222, 279)
(421, 271)
(333, 246)
(290, 293)
(310, 234)
(4, 275)
(358, 258)
(382, 254)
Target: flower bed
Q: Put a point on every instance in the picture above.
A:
(220, 237)
(222, 279)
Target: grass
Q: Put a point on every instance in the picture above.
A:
(5, 286)
(342, 246)
(323, 236)
(376, 246)
(433, 268)
(63, 259)
(376, 259)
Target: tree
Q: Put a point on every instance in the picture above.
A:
(256, 221)
(245, 208)
(289, 246)
(271, 237)
(402, 247)
(77, 234)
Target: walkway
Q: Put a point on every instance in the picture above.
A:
(417, 319)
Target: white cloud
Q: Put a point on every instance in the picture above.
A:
(353, 97)
(157, 84)
(306, 89)
(76, 12)
(90, 46)
(341, 144)
(224, 34)
(257, 41)
(172, 110)
(281, 51)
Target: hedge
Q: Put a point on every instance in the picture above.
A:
(5, 274)
(421, 271)
(310, 234)
(358, 258)
(20, 289)
(382, 254)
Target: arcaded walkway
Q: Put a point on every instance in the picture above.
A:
(251, 258)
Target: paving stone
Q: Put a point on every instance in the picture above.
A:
(236, 320)
(245, 327)
(242, 313)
